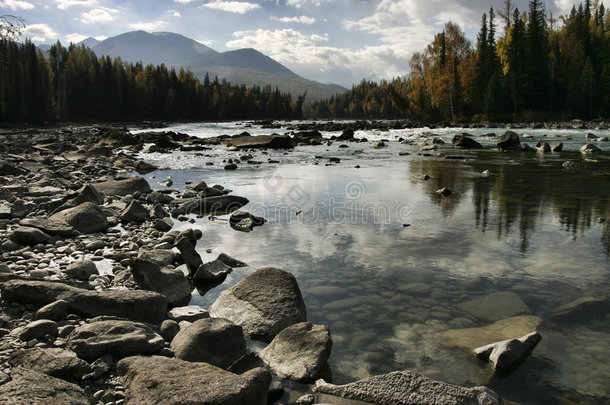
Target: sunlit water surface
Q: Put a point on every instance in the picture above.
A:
(388, 264)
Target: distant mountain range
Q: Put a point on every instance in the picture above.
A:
(247, 66)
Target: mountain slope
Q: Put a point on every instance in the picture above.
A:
(247, 66)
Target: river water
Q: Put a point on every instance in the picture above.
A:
(407, 279)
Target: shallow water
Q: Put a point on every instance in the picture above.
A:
(390, 266)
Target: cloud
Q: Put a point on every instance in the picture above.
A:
(149, 26)
(185, 1)
(301, 3)
(237, 7)
(75, 38)
(99, 15)
(174, 13)
(40, 33)
(65, 4)
(17, 5)
(299, 20)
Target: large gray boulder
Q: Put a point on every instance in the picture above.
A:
(172, 284)
(118, 337)
(264, 303)
(211, 340)
(55, 362)
(407, 388)
(299, 351)
(178, 382)
(28, 236)
(85, 218)
(506, 355)
(123, 187)
(34, 388)
(138, 305)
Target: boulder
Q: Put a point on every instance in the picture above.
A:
(445, 192)
(81, 269)
(211, 340)
(543, 146)
(172, 284)
(38, 330)
(145, 306)
(590, 148)
(273, 141)
(209, 205)
(87, 193)
(161, 257)
(346, 135)
(169, 329)
(264, 303)
(52, 227)
(34, 388)
(558, 147)
(244, 221)
(9, 169)
(115, 138)
(28, 236)
(407, 388)
(466, 142)
(189, 255)
(299, 351)
(509, 141)
(495, 306)
(212, 272)
(123, 187)
(86, 218)
(55, 311)
(134, 212)
(506, 355)
(115, 336)
(177, 382)
(55, 362)
(163, 224)
(229, 261)
(190, 313)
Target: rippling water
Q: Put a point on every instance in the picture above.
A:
(401, 275)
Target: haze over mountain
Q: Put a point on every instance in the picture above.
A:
(247, 66)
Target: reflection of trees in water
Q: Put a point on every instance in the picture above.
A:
(523, 194)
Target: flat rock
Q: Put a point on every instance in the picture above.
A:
(34, 388)
(211, 340)
(118, 337)
(259, 142)
(28, 236)
(123, 187)
(264, 303)
(209, 205)
(55, 362)
(172, 284)
(407, 388)
(495, 306)
(299, 351)
(508, 328)
(190, 313)
(173, 381)
(145, 306)
(582, 309)
(86, 218)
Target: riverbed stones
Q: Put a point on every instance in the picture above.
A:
(495, 306)
(299, 351)
(177, 382)
(81, 269)
(406, 388)
(138, 305)
(123, 187)
(506, 355)
(215, 341)
(264, 303)
(508, 328)
(509, 141)
(35, 388)
(28, 236)
(172, 284)
(55, 362)
(119, 337)
(85, 218)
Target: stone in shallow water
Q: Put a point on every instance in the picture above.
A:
(495, 306)
(508, 328)
(506, 355)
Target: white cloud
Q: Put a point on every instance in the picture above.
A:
(300, 20)
(65, 4)
(174, 13)
(99, 15)
(75, 38)
(301, 3)
(17, 5)
(184, 1)
(237, 7)
(149, 26)
(40, 33)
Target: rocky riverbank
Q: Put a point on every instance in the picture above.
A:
(95, 284)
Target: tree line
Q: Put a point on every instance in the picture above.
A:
(540, 68)
(73, 84)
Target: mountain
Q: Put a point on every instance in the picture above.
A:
(89, 42)
(247, 66)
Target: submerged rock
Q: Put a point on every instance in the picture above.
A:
(582, 309)
(407, 388)
(177, 382)
(264, 303)
(495, 306)
(506, 355)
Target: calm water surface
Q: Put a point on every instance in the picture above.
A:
(395, 270)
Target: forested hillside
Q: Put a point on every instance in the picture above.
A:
(73, 84)
(539, 67)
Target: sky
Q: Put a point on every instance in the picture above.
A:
(330, 41)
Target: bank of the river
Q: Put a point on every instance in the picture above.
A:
(107, 236)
